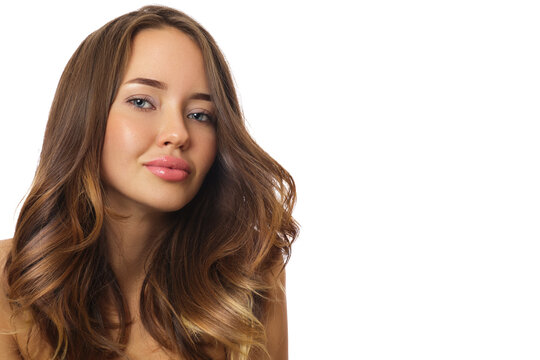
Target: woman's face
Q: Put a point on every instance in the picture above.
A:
(160, 139)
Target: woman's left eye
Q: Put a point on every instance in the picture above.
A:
(200, 116)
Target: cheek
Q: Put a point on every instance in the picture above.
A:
(210, 150)
(124, 141)
(123, 137)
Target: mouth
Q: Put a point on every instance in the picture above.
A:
(169, 168)
(169, 162)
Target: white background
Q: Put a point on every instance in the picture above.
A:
(412, 130)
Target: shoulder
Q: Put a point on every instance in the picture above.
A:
(5, 248)
(14, 330)
(8, 345)
(276, 317)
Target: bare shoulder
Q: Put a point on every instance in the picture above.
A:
(5, 246)
(8, 345)
(276, 320)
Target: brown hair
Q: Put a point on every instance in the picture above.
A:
(210, 280)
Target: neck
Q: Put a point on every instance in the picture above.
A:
(129, 241)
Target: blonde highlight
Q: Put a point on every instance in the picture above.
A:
(209, 274)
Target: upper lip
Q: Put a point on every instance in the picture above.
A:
(170, 162)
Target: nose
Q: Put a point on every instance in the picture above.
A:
(174, 131)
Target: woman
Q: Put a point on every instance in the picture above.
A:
(155, 227)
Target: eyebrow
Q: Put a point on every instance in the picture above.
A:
(149, 82)
(162, 86)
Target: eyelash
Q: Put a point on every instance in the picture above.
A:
(145, 99)
(210, 118)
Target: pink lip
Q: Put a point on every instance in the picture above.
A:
(169, 168)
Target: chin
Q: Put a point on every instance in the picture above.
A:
(169, 206)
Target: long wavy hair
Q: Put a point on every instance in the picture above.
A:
(207, 274)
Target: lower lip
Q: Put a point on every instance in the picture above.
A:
(168, 173)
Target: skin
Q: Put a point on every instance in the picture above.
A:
(145, 123)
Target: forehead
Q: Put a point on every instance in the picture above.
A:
(166, 54)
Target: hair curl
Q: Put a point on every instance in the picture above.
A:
(209, 279)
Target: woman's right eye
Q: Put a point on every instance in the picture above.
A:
(141, 103)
